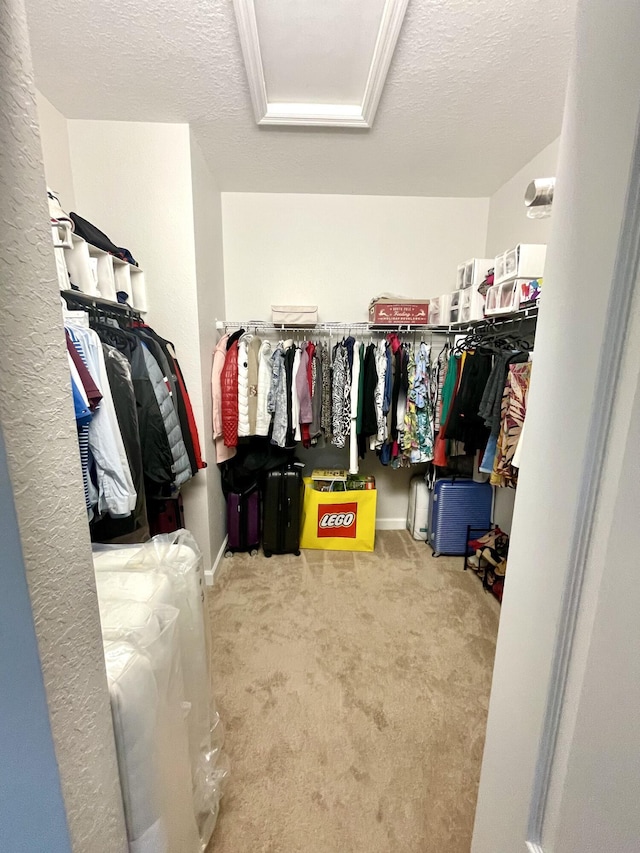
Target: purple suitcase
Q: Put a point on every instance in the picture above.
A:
(243, 522)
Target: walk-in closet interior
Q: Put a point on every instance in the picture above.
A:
(307, 291)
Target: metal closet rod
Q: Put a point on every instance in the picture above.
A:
(360, 326)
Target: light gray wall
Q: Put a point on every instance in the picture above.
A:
(36, 418)
(55, 152)
(596, 151)
(207, 229)
(508, 220)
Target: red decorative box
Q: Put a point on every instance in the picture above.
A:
(386, 312)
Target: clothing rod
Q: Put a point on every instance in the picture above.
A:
(85, 300)
(495, 321)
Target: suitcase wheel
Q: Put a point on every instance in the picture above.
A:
(267, 553)
(435, 553)
(228, 554)
(297, 553)
(253, 552)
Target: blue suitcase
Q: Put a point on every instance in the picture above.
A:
(456, 505)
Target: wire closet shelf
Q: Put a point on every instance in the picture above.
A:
(340, 328)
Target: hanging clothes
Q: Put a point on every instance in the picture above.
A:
(229, 392)
(315, 427)
(181, 466)
(353, 423)
(113, 491)
(263, 415)
(514, 409)
(223, 453)
(134, 528)
(465, 424)
(253, 363)
(243, 387)
(419, 437)
(369, 424)
(326, 416)
(379, 437)
(303, 393)
(340, 397)
(277, 401)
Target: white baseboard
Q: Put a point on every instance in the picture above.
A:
(209, 574)
(391, 523)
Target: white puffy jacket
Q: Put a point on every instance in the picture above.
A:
(243, 387)
(263, 416)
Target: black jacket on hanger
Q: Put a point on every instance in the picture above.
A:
(135, 527)
(157, 460)
(160, 352)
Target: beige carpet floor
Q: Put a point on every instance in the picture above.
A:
(354, 690)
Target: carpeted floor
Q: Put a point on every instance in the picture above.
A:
(354, 690)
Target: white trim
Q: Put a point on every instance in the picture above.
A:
(210, 574)
(392, 18)
(319, 115)
(625, 278)
(391, 523)
(248, 31)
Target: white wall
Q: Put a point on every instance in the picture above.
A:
(508, 221)
(207, 220)
(133, 180)
(338, 252)
(55, 151)
(595, 156)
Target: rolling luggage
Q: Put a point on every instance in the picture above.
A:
(418, 512)
(282, 510)
(243, 521)
(456, 505)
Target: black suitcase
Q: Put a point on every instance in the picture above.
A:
(282, 506)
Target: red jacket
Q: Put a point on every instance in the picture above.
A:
(229, 394)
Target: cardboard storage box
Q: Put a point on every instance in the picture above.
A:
(387, 311)
(294, 315)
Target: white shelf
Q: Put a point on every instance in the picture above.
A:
(97, 273)
(529, 313)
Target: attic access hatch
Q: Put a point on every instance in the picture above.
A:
(318, 65)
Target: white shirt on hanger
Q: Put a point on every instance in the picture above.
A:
(116, 493)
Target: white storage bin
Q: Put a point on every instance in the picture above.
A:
(445, 309)
(454, 306)
(434, 311)
(138, 289)
(460, 276)
(503, 298)
(475, 271)
(122, 276)
(78, 263)
(294, 315)
(104, 269)
(525, 261)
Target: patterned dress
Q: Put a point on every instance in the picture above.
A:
(340, 397)
(514, 409)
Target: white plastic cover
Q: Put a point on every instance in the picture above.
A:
(168, 569)
(153, 752)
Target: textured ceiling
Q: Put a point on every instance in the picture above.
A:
(475, 90)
